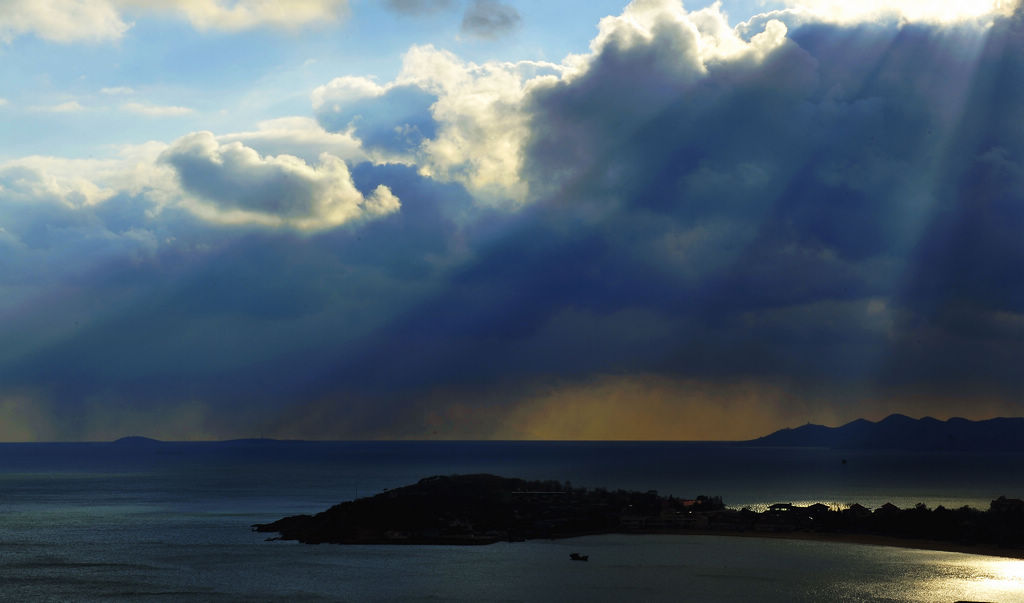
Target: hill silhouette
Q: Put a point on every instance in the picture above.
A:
(901, 432)
(136, 441)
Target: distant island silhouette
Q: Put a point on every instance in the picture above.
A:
(136, 441)
(900, 432)
(484, 509)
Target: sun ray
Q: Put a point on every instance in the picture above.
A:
(936, 11)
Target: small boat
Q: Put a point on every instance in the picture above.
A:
(578, 557)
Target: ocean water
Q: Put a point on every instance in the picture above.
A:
(100, 522)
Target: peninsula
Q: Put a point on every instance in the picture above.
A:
(483, 509)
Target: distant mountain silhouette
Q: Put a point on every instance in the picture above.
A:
(901, 432)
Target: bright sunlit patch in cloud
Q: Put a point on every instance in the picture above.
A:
(942, 11)
(700, 37)
(646, 407)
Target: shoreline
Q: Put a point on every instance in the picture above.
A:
(868, 539)
(828, 537)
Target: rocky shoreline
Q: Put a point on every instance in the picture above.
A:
(483, 509)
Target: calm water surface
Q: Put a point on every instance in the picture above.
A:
(171, 522)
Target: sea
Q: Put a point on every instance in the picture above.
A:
(146, 521)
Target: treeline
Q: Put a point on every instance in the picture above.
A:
(1001, 525)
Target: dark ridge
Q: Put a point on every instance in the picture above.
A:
(476, 509)
(900, 432)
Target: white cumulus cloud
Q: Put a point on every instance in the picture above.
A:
(61, 20)
(461, 121)
(481, 117)
(233, 184)
(483, 114)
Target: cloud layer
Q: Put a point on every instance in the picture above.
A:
(800, 218)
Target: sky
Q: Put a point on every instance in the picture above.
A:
(501, 219)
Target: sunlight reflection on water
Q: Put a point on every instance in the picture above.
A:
(955, 576)
(998, 579)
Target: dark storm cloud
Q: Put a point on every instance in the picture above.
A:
(490, 19)
(828, 173)
(241, 319)
(808, 216)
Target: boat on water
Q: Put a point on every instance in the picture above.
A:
(578, 557)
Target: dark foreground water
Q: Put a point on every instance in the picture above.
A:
(171, 522)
